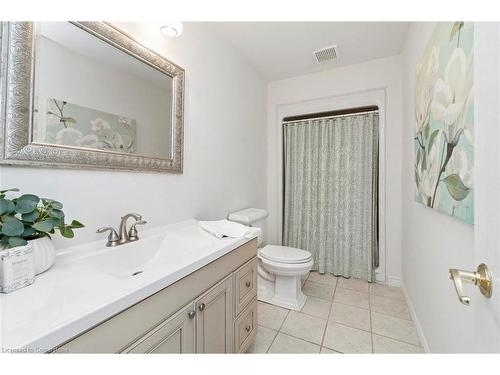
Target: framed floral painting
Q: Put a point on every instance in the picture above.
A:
(73, 125)
(444, 119)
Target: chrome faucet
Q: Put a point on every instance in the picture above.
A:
(123, 236)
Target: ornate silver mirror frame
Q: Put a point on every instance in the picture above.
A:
(16, 146)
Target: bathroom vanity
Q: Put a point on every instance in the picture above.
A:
(190, 293)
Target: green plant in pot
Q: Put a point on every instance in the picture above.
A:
(29, 218)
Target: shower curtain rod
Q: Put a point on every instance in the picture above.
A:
(332, 114)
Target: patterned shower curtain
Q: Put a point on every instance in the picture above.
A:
(331, 192)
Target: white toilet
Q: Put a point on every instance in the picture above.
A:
(280, 268)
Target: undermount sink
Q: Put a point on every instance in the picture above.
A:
(136, 257)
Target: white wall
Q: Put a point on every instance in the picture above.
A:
(374, 82)
(224, 151)
(433, 242)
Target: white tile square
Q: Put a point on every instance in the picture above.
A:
(317, 307)
(318, 290)
(354, 284)
(385, 345)
(347, 339)
(351, 297)
(263, 340)
(396, 328)
(271, 316)
(322, 278)
(390, 306)
(304, 327)
(351, 316)
(387, 291)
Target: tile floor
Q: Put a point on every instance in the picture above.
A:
(340, 316)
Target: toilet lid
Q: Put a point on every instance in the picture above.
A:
(284, 254)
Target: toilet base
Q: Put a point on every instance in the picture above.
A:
(297, 306)
(285, 291)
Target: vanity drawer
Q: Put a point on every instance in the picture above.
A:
(245, 328)
(245, 285)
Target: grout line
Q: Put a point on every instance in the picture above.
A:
(371, 323)
(391, 298)
(279, 331)
(329, 312)
(398, 341)
(348, 326)
(301, 339)
(392, 316)
(356, 290)
(326, 347)
(313, 316)
(380, 295)
(389, 337)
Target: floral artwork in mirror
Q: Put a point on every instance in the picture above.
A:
(69, 124)
(444, 118)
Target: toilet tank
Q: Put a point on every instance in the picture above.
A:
(252, 217)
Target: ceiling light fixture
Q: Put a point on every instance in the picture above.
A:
(172, 29)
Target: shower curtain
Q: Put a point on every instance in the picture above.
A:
(331, 192)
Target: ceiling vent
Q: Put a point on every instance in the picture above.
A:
(325, 54)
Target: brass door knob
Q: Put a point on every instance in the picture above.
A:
(481, 277)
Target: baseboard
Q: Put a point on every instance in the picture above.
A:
(394, 281)
(414, 317)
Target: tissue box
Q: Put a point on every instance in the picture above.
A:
(17, 268)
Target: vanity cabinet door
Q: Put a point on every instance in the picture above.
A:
(175, 335)
(214, 319)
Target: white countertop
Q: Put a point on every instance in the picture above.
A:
(74, 295)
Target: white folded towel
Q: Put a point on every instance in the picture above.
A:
(226, 228)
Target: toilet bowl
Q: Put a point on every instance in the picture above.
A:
(280, 271)
(280, 268)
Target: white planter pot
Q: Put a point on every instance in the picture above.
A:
(44, 254)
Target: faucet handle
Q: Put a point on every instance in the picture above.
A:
(132, 233)
(113, 237)
(135, 216)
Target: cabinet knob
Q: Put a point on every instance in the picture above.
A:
(248, 328)
(192, 314)
(201, 306)
(248, 283)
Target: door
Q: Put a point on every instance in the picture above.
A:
(176, 335)
(486, 311)
(487, 173)
(214, 319)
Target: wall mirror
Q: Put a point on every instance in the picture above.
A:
(87, 95)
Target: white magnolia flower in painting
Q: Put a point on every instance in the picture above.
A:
(426, 76)
(115, 141)
(433, 62)
(68, 137)
(99, 124)
(460, 165)
(422, 105)
(90, 140)
(453, 94)
(428, 176)
(125, 121)
(469, 134)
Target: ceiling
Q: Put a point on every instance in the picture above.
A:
(284, 49)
